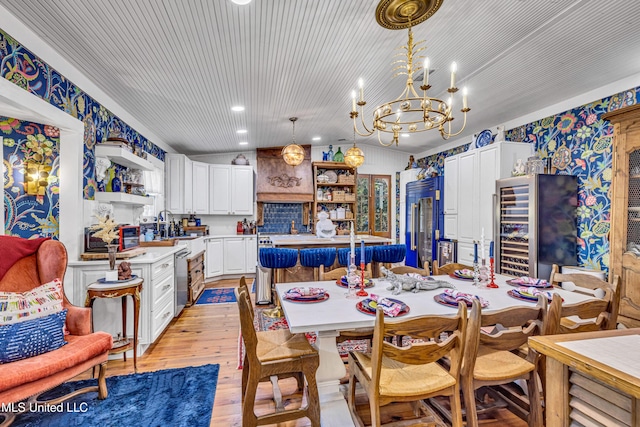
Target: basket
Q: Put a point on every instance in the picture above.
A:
(348, 215)
(338, 196)
(350, 197)
(347, 179)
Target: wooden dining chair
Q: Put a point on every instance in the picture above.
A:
(591, 315)
(409, 374)
(273, 354)
(448, 268)
(404, 269)
(334, 274)
(489, 359)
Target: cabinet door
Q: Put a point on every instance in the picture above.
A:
(220, 185)
(234, 256)
(467, 196)
(451, 185)
(251, 251)
(175, 183)
(188, 185)
(488, 164)
(214, 257)
(242, 190)
(200, 188)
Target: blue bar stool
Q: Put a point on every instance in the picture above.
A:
(387, 254)
(277, 259)
(317, 257)
(343, 258)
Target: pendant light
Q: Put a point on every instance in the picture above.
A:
(354, 156)
(293, 154)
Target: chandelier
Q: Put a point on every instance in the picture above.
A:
(410, 112)
(354, 156)
(293, 154)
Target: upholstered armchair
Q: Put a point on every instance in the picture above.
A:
(26, 269)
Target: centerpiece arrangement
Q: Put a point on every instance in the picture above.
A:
(107, 230)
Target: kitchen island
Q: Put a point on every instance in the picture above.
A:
(302, 241)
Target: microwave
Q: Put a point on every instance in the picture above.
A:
(128, 238)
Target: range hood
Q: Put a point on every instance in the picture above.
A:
(278, 182)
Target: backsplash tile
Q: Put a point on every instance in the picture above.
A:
(278, 216)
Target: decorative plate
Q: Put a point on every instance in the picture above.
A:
(324, 297)
(103, 280)
(366, 307)
(542, 284)
(483, 138)
(517, 295)
(333, 177)
(455, 276)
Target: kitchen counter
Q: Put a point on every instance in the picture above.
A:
(312, 240)
(152, 255)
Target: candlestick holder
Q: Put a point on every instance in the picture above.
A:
(492, 274)
(352, 279)
(476, 273)
(362, 292)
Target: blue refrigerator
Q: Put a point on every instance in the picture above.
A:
(425, 220)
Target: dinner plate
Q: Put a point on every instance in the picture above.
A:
(513, 294)
(303, 297)
(342, 282)
(308, 300)
(454, 276)
(450, 301)
(483, 138)
(365, 307)
(103, 280)
(513, 282)
(333, 177)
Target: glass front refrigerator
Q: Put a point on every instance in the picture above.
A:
(425, 220)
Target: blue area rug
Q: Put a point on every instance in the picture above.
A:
(171, 397)
(217, 296)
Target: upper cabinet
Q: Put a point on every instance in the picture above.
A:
(232, 191)
(179, 183)
(201, 191)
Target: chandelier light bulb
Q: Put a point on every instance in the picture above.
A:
(361, 86)
(353, 101)
(425, 71)
(454, 68)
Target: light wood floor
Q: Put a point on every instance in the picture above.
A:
(206, 334)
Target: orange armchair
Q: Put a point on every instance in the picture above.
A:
(27, 378)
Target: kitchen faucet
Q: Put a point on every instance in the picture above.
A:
(166, 221)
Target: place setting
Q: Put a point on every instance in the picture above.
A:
(532, 282)
(306, 295)
(530, 293)
(390, 306)
(451, 297)
(343, 282)
(463, 274)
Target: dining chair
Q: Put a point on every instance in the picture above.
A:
(334, 274)
(272, 354)
(386, 255)
(489, 359)
(448, 268)
(316, 257)
(591, 315)
(390, 373)
(404, 269)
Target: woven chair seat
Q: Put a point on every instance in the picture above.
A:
(499, 365)
(317, 256)
(281, 344)
(399, 379)
(389, 253)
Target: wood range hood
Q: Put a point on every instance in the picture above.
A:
(278, 182)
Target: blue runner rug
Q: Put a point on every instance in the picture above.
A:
(217, 296)
(171, 397)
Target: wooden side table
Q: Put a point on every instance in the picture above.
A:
(131, 288)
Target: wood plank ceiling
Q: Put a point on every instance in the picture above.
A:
(179, 65)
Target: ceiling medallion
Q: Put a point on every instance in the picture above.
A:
(410, 113)
(293, 154)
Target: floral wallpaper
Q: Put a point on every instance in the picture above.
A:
(25, 215)
(23, 68)
(576, 142)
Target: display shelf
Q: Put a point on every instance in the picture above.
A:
(123, 198)
(123, 157)
(349, 187)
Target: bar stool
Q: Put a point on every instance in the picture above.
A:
(277, 259)
(317, 257)
(343, 256)
(387, 254)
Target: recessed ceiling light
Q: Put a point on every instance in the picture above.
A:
(241, 2)
(316, 138)
(243, 143)
(241, 131)
(237, 108)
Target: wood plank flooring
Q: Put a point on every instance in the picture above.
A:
(205, 334)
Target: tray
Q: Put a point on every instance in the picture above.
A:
(103, 280)
(342, 282)
(363, 307)
(445, 299)
(309, 300)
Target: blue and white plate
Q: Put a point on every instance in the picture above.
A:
(103, 280)
(483, 138)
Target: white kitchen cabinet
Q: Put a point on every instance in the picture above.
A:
(214, 258)
(470, 185)
(179, 179)
(232, 190)
(251, 251)
(200, 188)
(234, 255)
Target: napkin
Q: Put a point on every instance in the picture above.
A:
(530, 281)
(532, 292)
(390, 308)
(301, 292)
(468, 298)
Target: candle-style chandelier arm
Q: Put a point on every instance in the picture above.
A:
(448, 134)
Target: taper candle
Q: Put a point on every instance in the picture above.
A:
(475, 252)
(491, 249)
(362, 252)
(352, 240)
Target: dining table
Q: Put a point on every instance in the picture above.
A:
(329, 316)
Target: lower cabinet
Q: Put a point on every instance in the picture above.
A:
(231, 255)
(215, 254)
(234, 256)
(195, 269)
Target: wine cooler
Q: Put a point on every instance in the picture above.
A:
(536, 224)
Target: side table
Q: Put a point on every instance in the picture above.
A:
(121, 289)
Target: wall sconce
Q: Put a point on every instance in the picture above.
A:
(37, 178)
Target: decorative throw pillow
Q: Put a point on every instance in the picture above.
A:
(42, 301)
(32, 337)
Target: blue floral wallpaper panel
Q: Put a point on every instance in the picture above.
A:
(23, 68)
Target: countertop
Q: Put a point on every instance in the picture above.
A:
(152, 255)
(311, 239)
(224, 236)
